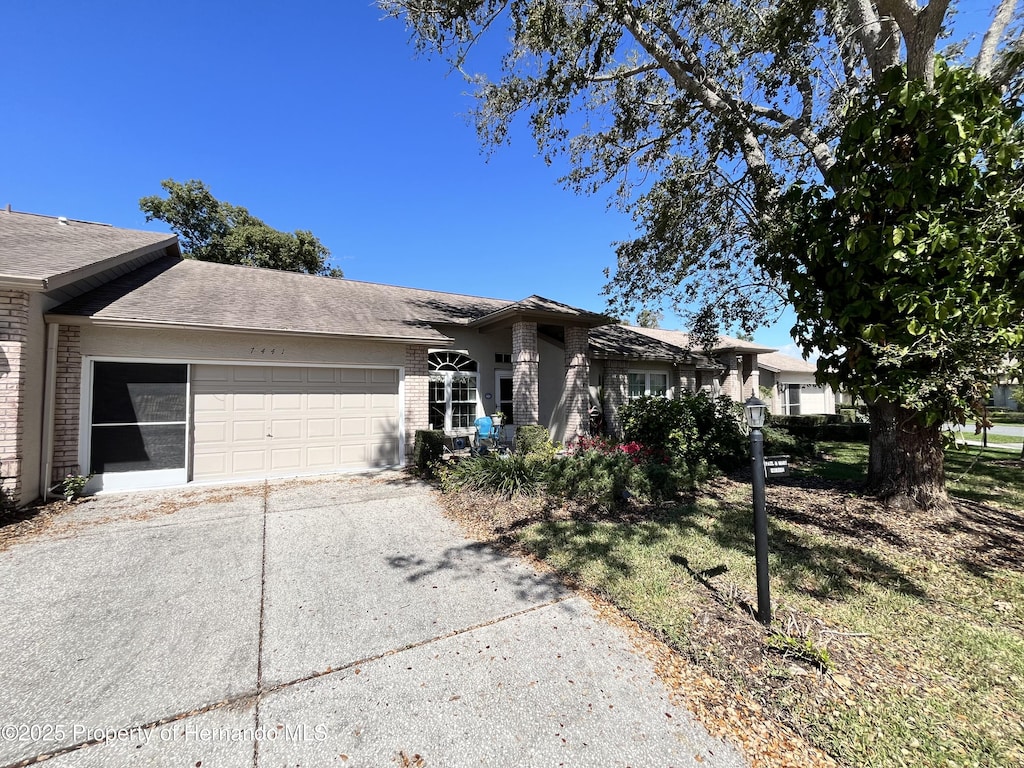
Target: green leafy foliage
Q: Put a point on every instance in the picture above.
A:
(428, 448)
(505, 476)
(906, 268)
(605, 476)
(73, 485)
(211, 230)
(694, 427)
(533, 440)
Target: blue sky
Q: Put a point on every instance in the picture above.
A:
(313, 115)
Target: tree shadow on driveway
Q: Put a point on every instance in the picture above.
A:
(482, 563)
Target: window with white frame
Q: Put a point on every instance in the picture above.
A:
(453, 390)
(648, 383)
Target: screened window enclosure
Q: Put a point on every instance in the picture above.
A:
(138, 417)
(453, 390)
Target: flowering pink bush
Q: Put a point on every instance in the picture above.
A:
(638, 452)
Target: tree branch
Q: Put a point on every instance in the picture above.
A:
(993, 36)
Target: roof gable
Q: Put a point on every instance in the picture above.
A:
(46, 252)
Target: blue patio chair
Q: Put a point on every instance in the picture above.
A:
(486, 432)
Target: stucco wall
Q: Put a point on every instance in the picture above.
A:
(186, 345)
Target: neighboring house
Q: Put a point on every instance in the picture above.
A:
(120, 359)
(794, 391)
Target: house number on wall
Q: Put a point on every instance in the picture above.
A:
(267, 351)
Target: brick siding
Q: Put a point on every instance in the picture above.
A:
(577, 378)
(616, 391)
(417, 394)
(13, 336)
(525, 374)
(67, 403)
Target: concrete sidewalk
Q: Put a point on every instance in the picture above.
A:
(340, 620)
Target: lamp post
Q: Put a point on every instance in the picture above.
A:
(755, 411)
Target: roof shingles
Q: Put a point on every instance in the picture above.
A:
(186, 292)
(45, 247)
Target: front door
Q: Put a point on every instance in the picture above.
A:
(503, 384)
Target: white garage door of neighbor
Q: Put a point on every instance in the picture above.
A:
(268, 421)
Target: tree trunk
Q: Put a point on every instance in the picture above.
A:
(905, 465)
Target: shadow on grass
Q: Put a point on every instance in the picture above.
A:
(834, 568)
(804, 562)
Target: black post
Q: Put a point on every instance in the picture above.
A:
(764, 600)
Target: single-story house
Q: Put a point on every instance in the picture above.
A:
(794, 391)
(123, 360)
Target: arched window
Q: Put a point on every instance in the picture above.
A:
(453, 388)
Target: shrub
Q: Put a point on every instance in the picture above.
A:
(428, 449)
(720, 439)
(533, 439)
(846, 433)
(695, 427)
(594, 478)
(506, 476)
(609, 474)
(658, 422)
(782, 441)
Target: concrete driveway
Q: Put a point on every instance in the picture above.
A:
(332, 621)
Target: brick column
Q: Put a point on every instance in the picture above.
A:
(685, 380)
(577, 382)
(67, 404)
(750, 376)
(13, 336)
(616, 391)
(525, 374)
(731, 377)
(417, 394)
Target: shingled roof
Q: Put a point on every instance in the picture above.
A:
(47, 250)
(682, 339)
(627, 341)
(189, 293)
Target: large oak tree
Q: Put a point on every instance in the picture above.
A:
(700, 115)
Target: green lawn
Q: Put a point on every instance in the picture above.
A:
(920, 618)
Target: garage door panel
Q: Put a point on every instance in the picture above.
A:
(286, 429)
(209, 402)
(211, 432)
(202, 373)
(353, 402)
(256, 421)
(354, 375)
(286, 374)
(291, 401)
(322, 401)
(285, 459)
(322, 375)
(247, 401)
(388, 402)
(248, 431)
(250, 373)
(353, 427)
(383, 427)
(322, 457)
(245, 462)
(321, 428)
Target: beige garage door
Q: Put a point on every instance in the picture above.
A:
(271, 421)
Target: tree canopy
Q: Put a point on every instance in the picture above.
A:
(701, 115)
(696, 113)
(211, 230)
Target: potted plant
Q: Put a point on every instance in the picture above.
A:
(497, 418)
